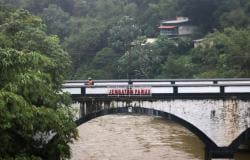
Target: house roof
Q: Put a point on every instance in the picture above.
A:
(177, 21)
(167, 27)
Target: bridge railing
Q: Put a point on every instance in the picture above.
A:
(168, 86)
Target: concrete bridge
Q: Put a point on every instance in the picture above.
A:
(216, 110)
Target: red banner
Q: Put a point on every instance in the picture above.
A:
(129, 92)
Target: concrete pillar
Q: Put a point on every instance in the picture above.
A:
(83, 110)
(208, 154)
(218, 154)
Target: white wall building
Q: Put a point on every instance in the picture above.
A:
(179, 27)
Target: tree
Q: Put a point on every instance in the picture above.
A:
(223, 54)
(35, 119)
(85, 27)
(101, 67)
(10, 3)
(131, 9)
(37, 6)
(83, 43)
(123, 33)
(237, 18)
(108, 8)
(81, 8)
(201, 12)
(57, 21)
(139, 62)
(165, 46)
(177, 67)
(104, 58)
(149, 20)
(171, 11)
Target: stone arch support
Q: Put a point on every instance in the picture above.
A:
(222, 125)
(222, 121)
(151, 112)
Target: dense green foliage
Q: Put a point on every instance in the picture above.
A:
(223, 54)
(89, 27)
(105, 39)
(35, 120)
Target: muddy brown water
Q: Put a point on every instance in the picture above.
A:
(128, 137)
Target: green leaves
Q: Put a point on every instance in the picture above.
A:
(224, 53)
(123, 34)
(139, 62)
(22, 20)
(34, 117)
(176, 67)
(11, 58)
(104, 58)
(57, 21)
(32, 127)
(86, 27)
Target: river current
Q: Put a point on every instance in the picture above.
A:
(128, 137)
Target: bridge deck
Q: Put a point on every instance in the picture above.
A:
(216, 110)
(168, 87)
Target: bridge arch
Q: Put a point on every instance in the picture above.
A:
(151, 112)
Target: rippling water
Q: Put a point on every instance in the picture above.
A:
(124, 137)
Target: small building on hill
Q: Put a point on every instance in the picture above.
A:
(181, 26)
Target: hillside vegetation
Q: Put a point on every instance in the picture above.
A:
(43, 42)
(98, 35)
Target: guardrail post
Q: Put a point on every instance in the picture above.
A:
(175, 90)
(130, 82)
(83, 90)
(222, 89)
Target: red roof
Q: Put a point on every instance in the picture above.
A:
(167, 27)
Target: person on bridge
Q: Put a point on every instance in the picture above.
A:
(90, 82)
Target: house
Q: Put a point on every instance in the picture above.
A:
(181, 26)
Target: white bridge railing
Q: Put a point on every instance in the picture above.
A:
(151, 87)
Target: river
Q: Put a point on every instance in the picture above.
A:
(127, 137)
